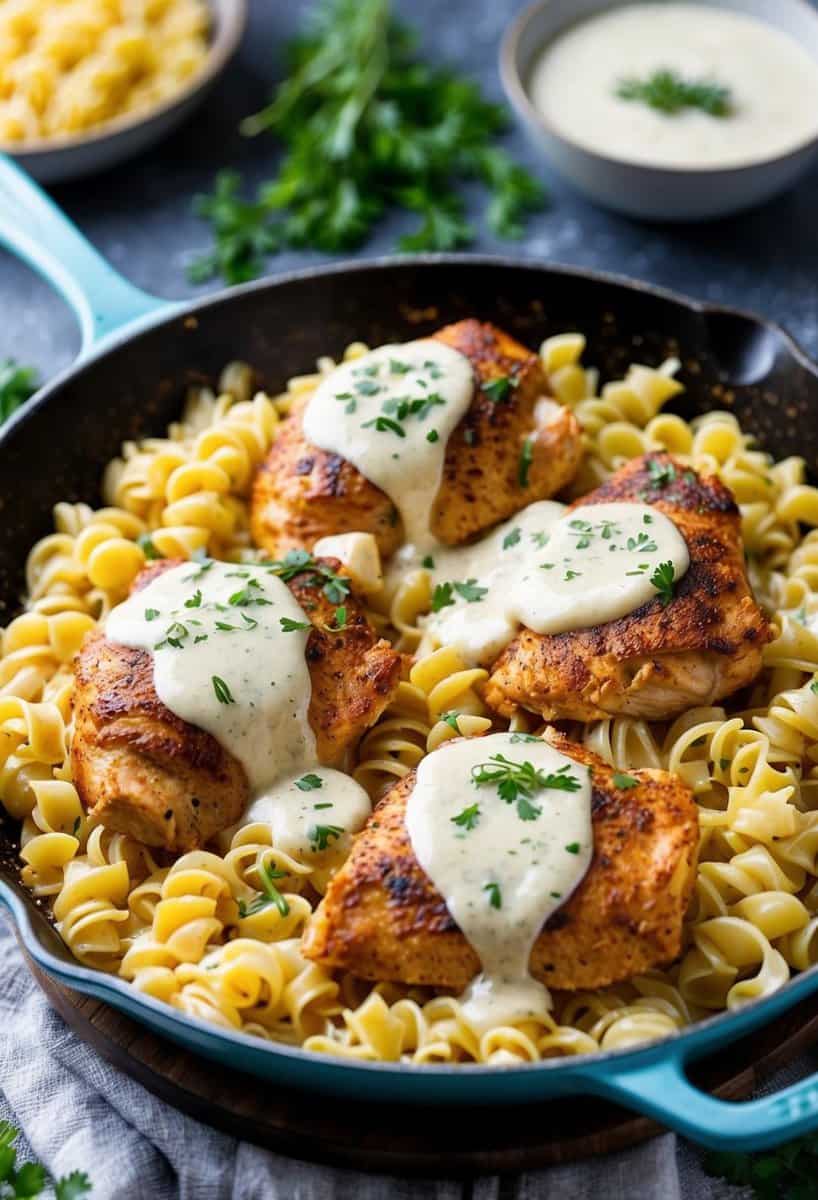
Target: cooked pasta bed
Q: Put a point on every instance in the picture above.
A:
(183, 932)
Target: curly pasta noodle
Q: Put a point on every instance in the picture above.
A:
(197, 932)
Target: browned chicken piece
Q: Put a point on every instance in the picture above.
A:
(302, 493)
(661, 659)
(141, 770)
(382, 918)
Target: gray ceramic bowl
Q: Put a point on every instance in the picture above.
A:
(660, 193)
(59, 159)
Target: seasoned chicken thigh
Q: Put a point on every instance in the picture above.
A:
(302, 493)
(383, 919)
(654, 663)
(142, 770)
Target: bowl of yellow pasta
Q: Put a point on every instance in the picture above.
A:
(167, 435)
(89, 83)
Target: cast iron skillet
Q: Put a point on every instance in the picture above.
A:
(139, 353)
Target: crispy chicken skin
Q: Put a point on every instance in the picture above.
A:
(659, 660)
(383, 919)
(142, 770)
(302, 493)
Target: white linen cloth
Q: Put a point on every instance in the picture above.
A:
(77, 1113)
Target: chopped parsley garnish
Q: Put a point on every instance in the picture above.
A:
(194, 601)
(470, 591)
(540, 539)
(661, 474)
(662, 579)
(451, 719)
(309, 783)
(669, 93)
(432, 435)
(428, 562)
(271, 894)
(151, 614)
(647, 519)
(247, 596)
(145, 544)
(385, 425)
(340, 620)
(624, 782)
(524, 737)
(468, 818)
(296, 562)
(442, 596)
(642, 542)
(288, 625)
(573, 848)
(512, 538)
(525, 461)
(569, 575)
(398, 368)
(497, 389)
(223, 693)
(495, 895)
(322, 835)
(516, 783)
(175, 635)
(813, 687)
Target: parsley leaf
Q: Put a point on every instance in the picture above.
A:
(270, 894)
(309, 783)
(524, 464)
(624, 782)
(145, 544)
(17, 384)
(322, 835)
(470, 591)
(495, 895)
(512, 538)
(442, 596)
(517, 782)
(72, 1187)
(497, 389)
(468, 818)
(661, 474)
(662, 579)
(288, 625)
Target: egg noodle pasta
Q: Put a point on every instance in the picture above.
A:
(191, 932)
(69, 66)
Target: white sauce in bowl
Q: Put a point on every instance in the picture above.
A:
(503, 861)
(391, 413)
(553, 571)
(228, 644)
(773, 86)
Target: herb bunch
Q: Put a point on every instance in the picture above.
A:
(367, 126)
(28, 1181)
(788, 1172)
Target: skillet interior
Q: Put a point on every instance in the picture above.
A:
(56, 449)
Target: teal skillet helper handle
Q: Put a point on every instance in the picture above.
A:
(35, 229)
(662, 1090)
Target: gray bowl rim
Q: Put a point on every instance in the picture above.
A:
(20, 908)
(517, 93)
(232, 22)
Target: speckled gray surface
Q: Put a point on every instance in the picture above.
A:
(139, 214)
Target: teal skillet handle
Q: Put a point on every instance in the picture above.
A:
(33, 227)
(662, 1090)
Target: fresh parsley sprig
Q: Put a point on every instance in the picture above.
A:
(517, 783)
(28, 1181)
(669, 93)
(367, 126)
(662, 579)
(17, 384)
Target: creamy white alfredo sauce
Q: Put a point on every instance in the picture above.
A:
(502, 827)
(228, 643)
(552, 571)
(772, 82)
(391, 413)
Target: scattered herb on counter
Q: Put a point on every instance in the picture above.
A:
(669, 93)
(17, 384)
(28, 1181)
(788, 1172)
(367, 125)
